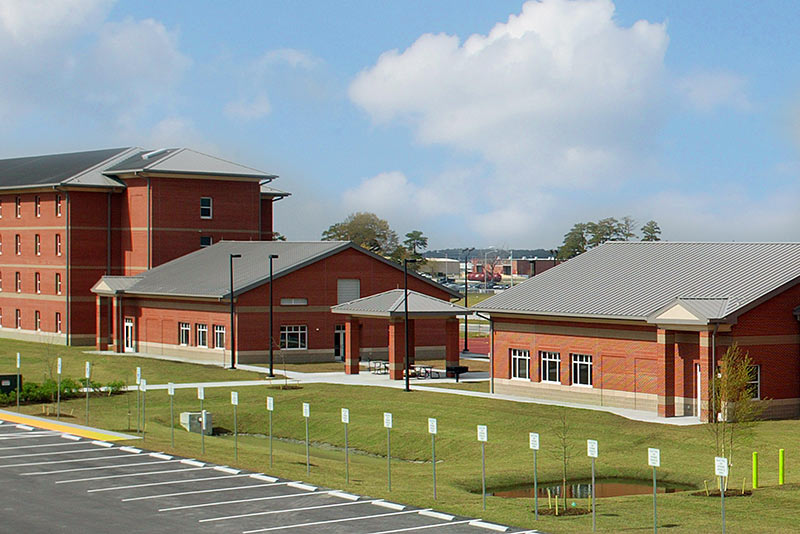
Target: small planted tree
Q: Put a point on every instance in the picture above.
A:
(564, 450)
(732, 401)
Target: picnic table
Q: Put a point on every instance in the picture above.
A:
(423, 371)
(378, 367)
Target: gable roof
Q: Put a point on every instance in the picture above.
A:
(70, 169)
(205, 273)
(638, 280)
(392, 304)
(184, 161)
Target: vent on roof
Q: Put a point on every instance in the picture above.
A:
(154, 153)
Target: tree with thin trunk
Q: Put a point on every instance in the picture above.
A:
(565, 449)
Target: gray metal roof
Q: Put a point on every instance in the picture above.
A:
(392, 304)
(633, 280)
(75, 169)
(272, 192)
(184, 161)
(205, 273)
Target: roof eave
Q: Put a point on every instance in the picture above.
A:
(559, 314)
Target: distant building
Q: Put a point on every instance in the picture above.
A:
(441, 267)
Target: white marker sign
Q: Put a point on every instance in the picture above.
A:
(432, 426)
(270, 404)
(201, 394)
(483, 433)
(18, 360)
(88, 370)
(138, 375)
(591, 448)
(654, 457)
(171, 389)
(143, 385)
(58, 366)
(345, 416)
(306, 410)
(533, 440)
(387, 420)
(235, 398)
(721, 466)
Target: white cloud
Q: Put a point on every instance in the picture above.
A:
(251, 108)
(707, 91)
(30, 23)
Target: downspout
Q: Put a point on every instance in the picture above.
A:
(108, 236)
(149, 237)
(713, 370)
(110, 313)
(491, 355)
(68, 280)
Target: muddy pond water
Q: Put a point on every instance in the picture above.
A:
(582, 489)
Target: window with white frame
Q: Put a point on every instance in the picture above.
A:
(1, 281)
(37, 279)
(37, 320)
(184, 330)
(520, 363)
(58, 283)
(205, 241)
(18, 282)
(219, 336)
(294, 337)
(206, 208)
(37, 244)
(37, 203)
(1, 317)
(754, 383)
(1, 244)
(18, 319)
(202, 335)
(294, 302)
(58, 244)
(58, 205)
(58, 322)
(17, 244)
(581, 369)
(18, 207)
(551, 366)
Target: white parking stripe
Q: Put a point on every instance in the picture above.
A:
(71, 461)
(72, 480)
(271, 512)
(57, 453)
(26, 435)
(237, 501)
(422, 527)
(182, 481)
(193, 492)
(282, 527)
(97, 468)
(58, 444)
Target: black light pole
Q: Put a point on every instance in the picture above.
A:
(466, 252)
(271, 304)
(405, 305)
(233, 327)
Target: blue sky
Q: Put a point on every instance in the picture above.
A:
(484, 123)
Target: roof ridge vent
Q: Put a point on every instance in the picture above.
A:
(154, 153)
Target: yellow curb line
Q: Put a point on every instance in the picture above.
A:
(58, 427)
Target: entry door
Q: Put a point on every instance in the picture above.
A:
(129, 336)
(338, 342)
(699, 393)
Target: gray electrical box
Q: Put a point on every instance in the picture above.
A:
(193, 422)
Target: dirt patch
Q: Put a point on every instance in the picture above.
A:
(728, 493)
(564, 512)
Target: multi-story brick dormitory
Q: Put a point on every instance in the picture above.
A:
(68, 219)
(182, 308)
(642, 325)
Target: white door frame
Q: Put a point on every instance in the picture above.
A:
(698, 390)
(342, 338)
(129, 339)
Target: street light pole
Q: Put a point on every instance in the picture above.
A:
(466, 252)
(271, 304)
(233, 327)
(405, 306)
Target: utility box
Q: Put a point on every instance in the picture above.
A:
(8, 383)
(193, 422)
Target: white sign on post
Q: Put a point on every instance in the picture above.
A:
(721, 466)
(58, 366)
(18, 360)
(138, 375)
(483, 433)
(88, 370)
(345, 416)
(654, 457)
(235, 398)
(201, 394)
(306, 410)
(143, 385)
(591, 448)
(533, 439)
(432, 426)
(270, 404)
(171, 389)
(387, 420)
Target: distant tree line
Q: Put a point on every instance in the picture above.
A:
(584, 236)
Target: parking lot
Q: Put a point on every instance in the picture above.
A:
(56, 482)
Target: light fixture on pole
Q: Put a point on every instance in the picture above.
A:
(233, 327)
(405, 306)
(271, 305)
(466, 252)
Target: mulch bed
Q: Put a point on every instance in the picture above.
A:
(728, 493)
(563, 512)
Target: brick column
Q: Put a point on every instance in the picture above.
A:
(451, 352)
(666, 373)
(397, 349)
(705, 375)
(116, 326)
(352, 354)
(101, 327)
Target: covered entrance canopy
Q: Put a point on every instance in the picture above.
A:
(391, 305)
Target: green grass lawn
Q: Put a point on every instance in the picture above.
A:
(686, 452)
(474, 298)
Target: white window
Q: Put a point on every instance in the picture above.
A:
(206, 208)
(18, 282)
(37, 320)
(18, 321)
(294, 302)
(183, 333)
(18, 244)
(58, 322)
(1, 317)
(58, 283)
(1, 244)
(58, 244)
(205, 241)
(37, 206)
(202, 335)
(58, 205)
(551, 366)
(520, 363)
(18, 207)
(347, 290)
(754, 384)
(219, 336)
(37, 282)
(581, 369)
(294, 337)
(37, 244)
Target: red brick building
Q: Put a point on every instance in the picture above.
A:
(68, 219)
(642, 325)
(183, 306)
